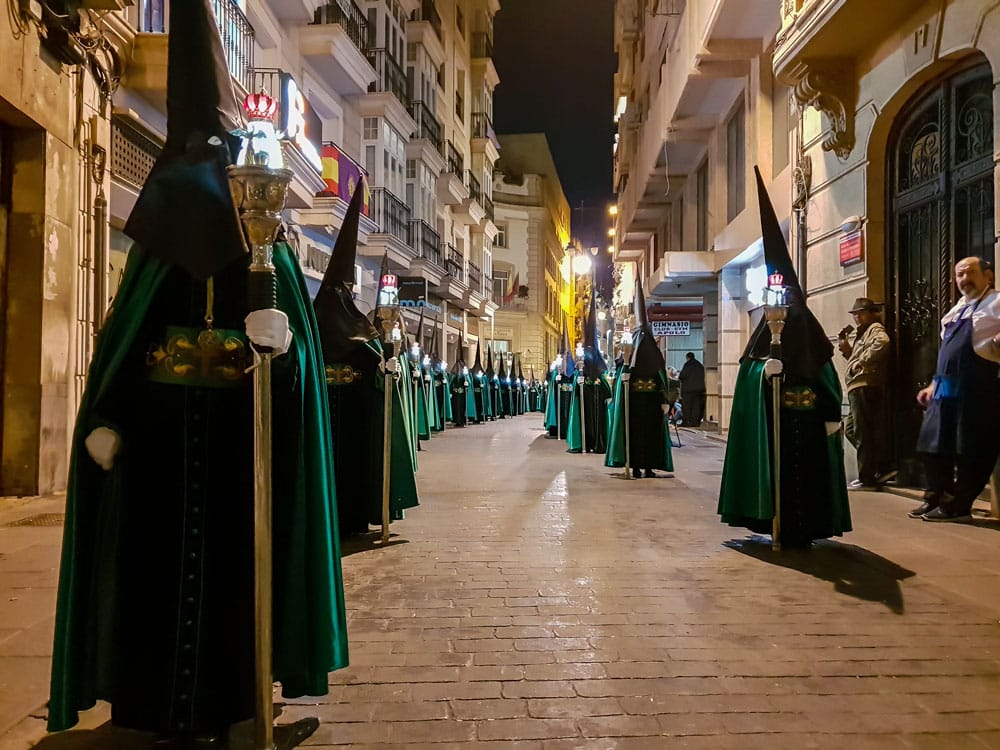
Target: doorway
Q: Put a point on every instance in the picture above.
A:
(940, 184)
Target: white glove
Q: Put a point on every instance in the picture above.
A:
(103, 444)
(269, 328)
(665, 408)
(392, 364)
(832, 428)
(773, 367)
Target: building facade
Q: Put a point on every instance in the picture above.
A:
(873, 128)
(397, 93)
(531, 281)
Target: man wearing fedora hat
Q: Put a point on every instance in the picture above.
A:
(867, 366)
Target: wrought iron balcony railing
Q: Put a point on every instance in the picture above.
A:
(488, 294)
(482, 127)
(349, 16)
(453, 263)
(475, 190)
(427, 125)
(391, 215)
(428, 12)
(488, 206)
(234, 28)
(456, 162)
(475, 277)
(482, 44)
(426, 241)
(390, 78)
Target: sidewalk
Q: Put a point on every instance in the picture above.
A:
(540, 602)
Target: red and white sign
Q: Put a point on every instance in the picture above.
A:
(852, 248)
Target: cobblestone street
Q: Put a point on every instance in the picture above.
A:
(537, 601)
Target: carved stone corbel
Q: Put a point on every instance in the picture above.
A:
(830, 87)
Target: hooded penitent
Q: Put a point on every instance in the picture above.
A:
(478, 390)
(813, 487)
(423, 406)
(503, 379)
(439, 378)
(155, 610)
(355, 388)
(648, 432)
(560, 395)
(596, 391)
(460, 386)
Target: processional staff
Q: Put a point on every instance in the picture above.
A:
(259, 186)
(775, 314)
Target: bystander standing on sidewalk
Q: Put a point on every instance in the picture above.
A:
(865, 379)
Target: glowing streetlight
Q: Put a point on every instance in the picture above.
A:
(582, 264)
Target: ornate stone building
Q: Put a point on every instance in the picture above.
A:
(873, 125)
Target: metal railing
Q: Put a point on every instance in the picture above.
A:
(475, 190)
(428, 12)
(488, 206)
(456, 162)
(488, 289)
(427, 125)
(390, 78)
(391, 215)
(237, 39)
(346, 14)
(234, 28)
(475, 277)
(482, 126)
(460, 106)
(482, 44)
(426, 241)
(453, 263)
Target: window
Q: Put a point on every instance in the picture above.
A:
(501, 238)
(411, 169)
(782, 125)
(371, 128)
(411, 51)
(701, 185)
(370, 159)
(500, 279)
(460, 21)
(736, 176)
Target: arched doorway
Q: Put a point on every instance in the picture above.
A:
(940, 197)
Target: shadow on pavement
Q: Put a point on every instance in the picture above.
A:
(854, 571)
(368, 542)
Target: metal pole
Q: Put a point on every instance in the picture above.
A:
(386, 443)
(262, 194)
(776, 408)
(558, 383)
(582, 379)
(626, 377)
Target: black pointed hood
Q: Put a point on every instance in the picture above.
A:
(520, 370)
(458, 367)
(185, 213)
(593, 361)
(376, 319)
(489, 362)
(639, 307)
(342, 327)
(805, 346)
(531, 368)
(477, 366)
(502, 370)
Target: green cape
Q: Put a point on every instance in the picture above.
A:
(310, 630)
(615, 456)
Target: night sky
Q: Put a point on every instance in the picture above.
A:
(556, 62)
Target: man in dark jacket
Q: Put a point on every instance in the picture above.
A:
(693, 391)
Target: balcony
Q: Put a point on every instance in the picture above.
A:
(393, 236)
(428, 12)
(336, 44)
(712, 48)
(424, 30)
(451, 189)
(475, 277)
(427, 142)
(470, 211)
(459, 106)
(389, 77)
(146, 72)
(451, 286)
(484, 137)
(483, 69)
(816, 49)
(427, 244)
